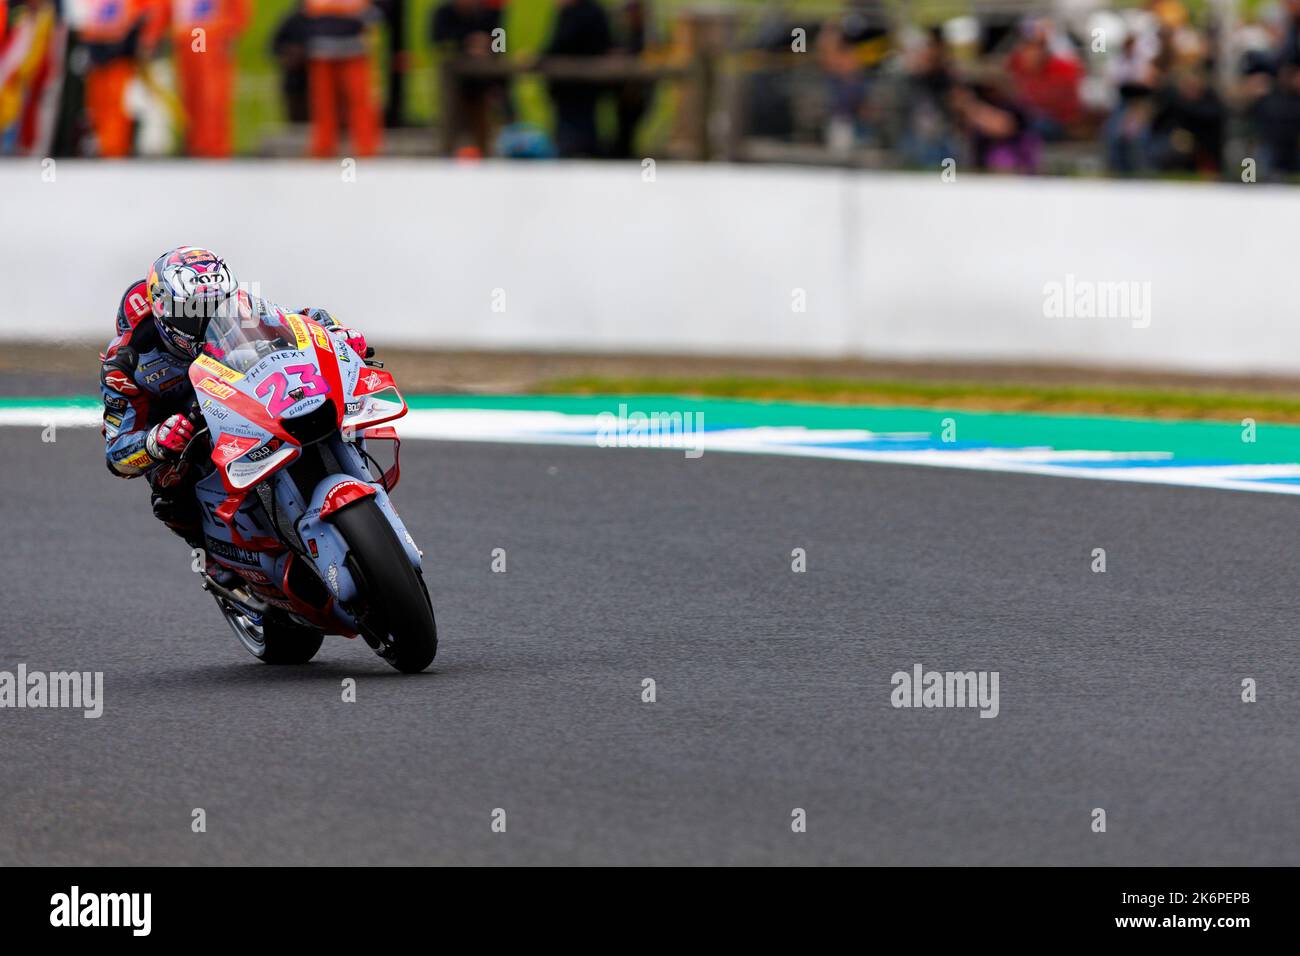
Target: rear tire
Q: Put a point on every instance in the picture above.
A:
(392, 602)
(276, 640)
(289, 643)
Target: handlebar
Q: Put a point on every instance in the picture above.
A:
(195, 414)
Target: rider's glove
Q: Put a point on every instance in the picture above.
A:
(356, 340)
(168, 439)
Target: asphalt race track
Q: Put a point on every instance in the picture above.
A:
(1118, 690)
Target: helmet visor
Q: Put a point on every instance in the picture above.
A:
(190, 323)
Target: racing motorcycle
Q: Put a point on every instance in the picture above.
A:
(294, 503)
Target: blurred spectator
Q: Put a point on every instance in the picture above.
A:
(769, 86)
(581, 30)
(1159, 84)
(1002, 139)
(113, 33)
(1187, 129)
(1132, 76)
(1046, 81)
(1275, 122)
(633, 95)
(290, 48)
(926, 138)
(1289, 50)
(392, 16)
(203, 44)
(848, 48)
(339, 69)
(464, 27)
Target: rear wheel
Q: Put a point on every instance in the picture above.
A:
(272, 638)
(393, 605)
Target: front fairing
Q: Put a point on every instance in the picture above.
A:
(252, 383)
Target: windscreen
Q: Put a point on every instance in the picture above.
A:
(242, 340)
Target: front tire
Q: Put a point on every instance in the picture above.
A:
(393, 604)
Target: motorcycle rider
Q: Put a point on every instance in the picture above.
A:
(144, 377)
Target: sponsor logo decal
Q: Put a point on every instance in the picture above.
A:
(322, 340)
(212, 366)
(344, 492)
(299, 328)
(238, 427)
(219, 412)
(229, 448)
(224, 549)
(260, 453)
(215, 389)
(183, 342)
(139, 306)
(119, 381)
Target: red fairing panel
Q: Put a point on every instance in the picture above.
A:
(388, 433)
(344, 493)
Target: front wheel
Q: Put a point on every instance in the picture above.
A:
(393, 606)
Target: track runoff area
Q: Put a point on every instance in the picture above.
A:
(1242, 457)
(789, 609)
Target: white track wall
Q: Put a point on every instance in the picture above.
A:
(703, 259)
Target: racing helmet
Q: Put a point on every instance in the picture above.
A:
(186, 288)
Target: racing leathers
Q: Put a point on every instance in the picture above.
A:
(149, 407)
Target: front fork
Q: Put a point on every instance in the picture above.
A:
(320, 541)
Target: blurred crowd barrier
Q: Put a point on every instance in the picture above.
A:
(710, 259)
(1181, 88)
